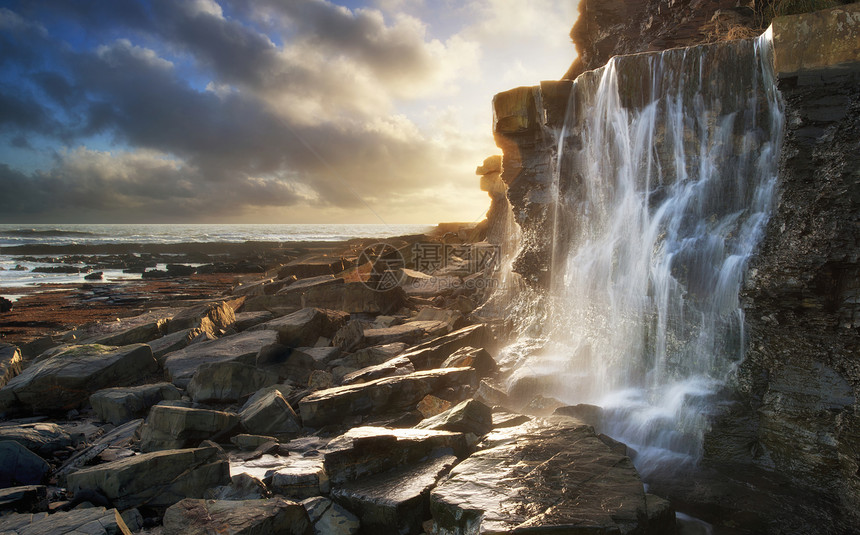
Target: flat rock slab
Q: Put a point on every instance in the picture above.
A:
(168, 428)
(157, 479)
(394, 502)
(304, 327)
(66, 380)
(539, 477)
(241, 517)
(24, 499)
(400, 393)
(408, 333)
(297, 364)
(120, 405)
(41, 438)
(91, 521)
(470, 416)
(301, 477)
(370, 356)
(245, 348)
(390, 368)
(365, 451)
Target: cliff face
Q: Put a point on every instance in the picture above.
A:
(794, 408)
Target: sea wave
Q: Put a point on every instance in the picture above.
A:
(47, 233)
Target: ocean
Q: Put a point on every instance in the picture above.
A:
(15, 272)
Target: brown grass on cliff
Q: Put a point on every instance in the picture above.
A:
(769, 9)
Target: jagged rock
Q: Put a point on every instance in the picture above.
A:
(301, 477)
(65, 381)
(432, 353)
(320, 380)
(304, 327)
(42, 438)
(588, 414)
(430, 406)
(24, 499)
(245, 348)
(243, 517)
(174, 342)
(297, 364)
(365, 451)
(133, 520)
(490, 395)
(390, 368)
(567, 480)
(472, 357)
(355, 298)
(86, 521)
(330, 518)
(246, 320)
(168, 428)
(242, 487)
(227, 381)
(400, 393)
(269, 414)
(120, 405)
(246, 442)
(453, 318)
(10, 362)
(213, 317)
(5, 305)
(20, 466)
(119, 439)
(350, 337)
(470, 416)
(409, 333)
(394, 502)
(503, 418)
(157, 479)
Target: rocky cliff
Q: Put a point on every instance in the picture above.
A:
(794, 400)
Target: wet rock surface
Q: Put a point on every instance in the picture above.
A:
(242, 517)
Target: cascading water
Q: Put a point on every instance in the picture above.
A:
(666, 171)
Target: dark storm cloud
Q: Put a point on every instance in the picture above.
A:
(277, 125)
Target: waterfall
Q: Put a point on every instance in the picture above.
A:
(665, 176)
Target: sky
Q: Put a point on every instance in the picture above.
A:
(264, 111)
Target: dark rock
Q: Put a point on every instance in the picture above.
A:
(243, 517)
(472, 357)
(314, 267)
(470, 416)
(268, 413)
(246, 320)
(241, 487)
(227, 381)
(180, 270)
(168, 428)
(567, 480)
(398, 393)
(66, 380)
(120, 405)
(297, 364)
(394, 502)
(330, 518)
(155, 274)
(5, 305)
(157, 479)
(20, 466)
(24, 499)
(95, 276)
(119, 439)
(355, 298)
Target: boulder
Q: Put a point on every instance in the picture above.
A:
(116, 442)
(330, 518)
(120, 405)
(66, 380)
(243, 517)
(157, 479)
(245, 348)
(394, 502)
(242, 487)
(399, 393)
(297, 364)
(391, 368)
(227, 381)
(430, 406)
(168, 428)
(24, 499)
(432, 353)
(470, 416)
(10, 362)
(320, 380)
(5, 305)
(20, 466)
(269, 414)
(473, 357)
(409, 333)
(84, 521)
(304, 327)
(588, 414)
(41, 438)
(214, 317)
(355, 298)
(364, 451)
(173, 342)
(503, 418)
(301, 477)
(490, 395)
(567, 480)
(350, 337)
(140, 334)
